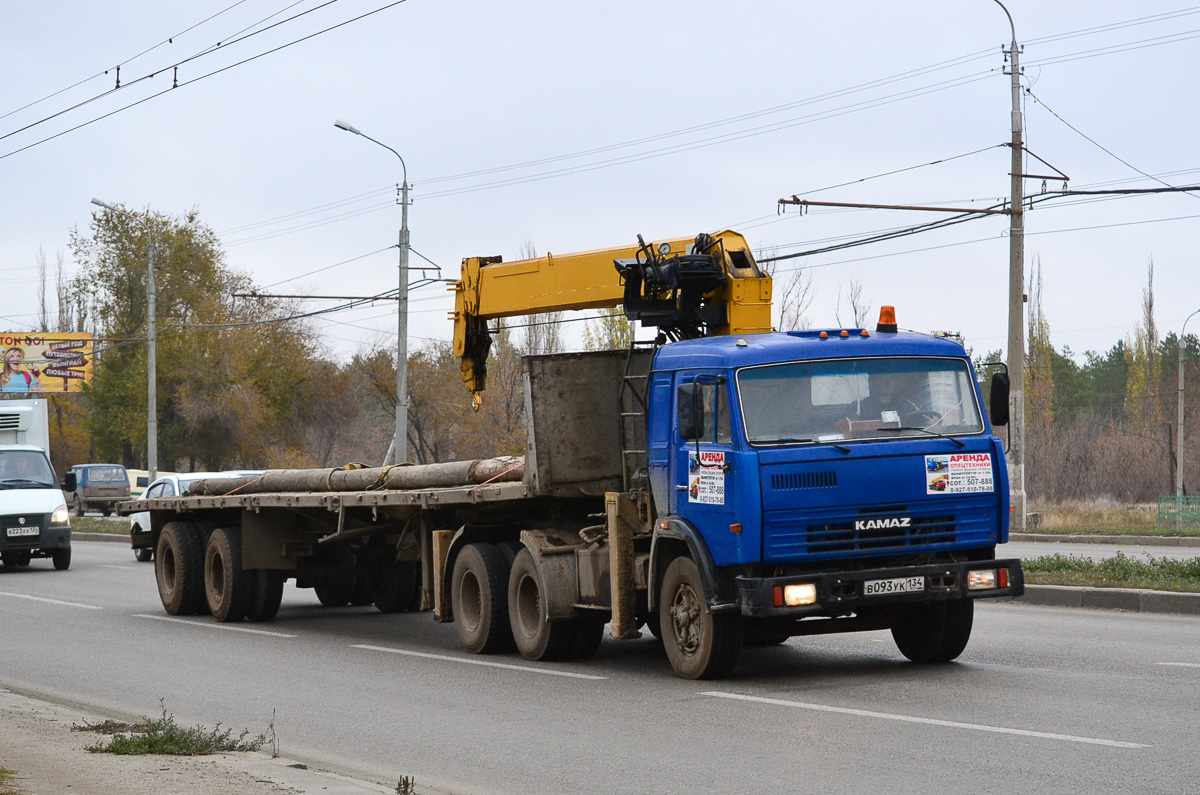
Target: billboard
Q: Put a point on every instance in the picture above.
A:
(48, 361)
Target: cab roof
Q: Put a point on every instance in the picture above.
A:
(752, 349)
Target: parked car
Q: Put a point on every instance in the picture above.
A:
(170, 485)
(98, 487)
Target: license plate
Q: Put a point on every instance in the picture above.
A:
(893, 585)
(17, 532)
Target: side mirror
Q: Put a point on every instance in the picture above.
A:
(690, 411)
(68, 482)
(998, 410)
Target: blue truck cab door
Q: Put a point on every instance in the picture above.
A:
(705, 464)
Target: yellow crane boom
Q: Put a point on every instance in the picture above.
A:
(688, 287)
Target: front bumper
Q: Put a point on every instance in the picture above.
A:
(49, 537)
(841, 593)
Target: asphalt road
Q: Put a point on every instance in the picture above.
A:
(1044, 699)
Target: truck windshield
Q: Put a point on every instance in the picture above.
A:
(851, 399)
(24, 469)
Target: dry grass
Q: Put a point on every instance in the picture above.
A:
(7, 787)
(1101, 517)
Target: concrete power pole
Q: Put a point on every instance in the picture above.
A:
(1016, 296)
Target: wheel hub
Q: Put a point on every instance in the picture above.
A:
(686, 611)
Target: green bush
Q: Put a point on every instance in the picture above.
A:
(1120, 571)
(164, 736)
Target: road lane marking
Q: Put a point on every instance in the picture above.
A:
(110, 566)
(1180, 665)
(529, 669)
(50, 601)
(862, 713)
(214, 625)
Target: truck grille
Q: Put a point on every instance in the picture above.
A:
(842, 537)
(15, 520)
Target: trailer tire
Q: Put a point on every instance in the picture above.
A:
(699, 643)
(362, 590)
(392, 584)
(335, 590)
(226, 586)
(934, 632)
(144, 554)
(537, 637)
(265, 593)
(179, 569)
(479, 599)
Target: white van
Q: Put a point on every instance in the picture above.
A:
(34, 521)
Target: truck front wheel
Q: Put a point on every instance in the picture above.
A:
(479, 599)
(934, 632)
(225, 583)
(179, 569)
(700, 644)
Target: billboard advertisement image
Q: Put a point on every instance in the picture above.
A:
(45, 361)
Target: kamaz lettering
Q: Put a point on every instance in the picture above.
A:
(882, 524)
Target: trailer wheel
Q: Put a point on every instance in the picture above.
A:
(479, 599)
(265, 594)
(392, 584)
(700, 644)
(935, 632)
(537, 638)
(362, 591)
(179, 568)
(334, 590)
(588, 634)
(225, 583)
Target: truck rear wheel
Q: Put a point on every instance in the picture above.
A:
(226, 585)
(934, 632)
(479, 599)
(537, 638)
(179, 569)
(265, 594)
(699, 643)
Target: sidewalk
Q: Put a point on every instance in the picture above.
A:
(46, 757)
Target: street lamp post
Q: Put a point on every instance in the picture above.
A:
(399, 447)
(152, 338)
(1179, 424)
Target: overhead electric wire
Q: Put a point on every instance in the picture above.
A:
(327, 267)
(226, 68)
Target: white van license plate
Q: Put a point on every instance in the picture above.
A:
(893, 585)
(17, 532)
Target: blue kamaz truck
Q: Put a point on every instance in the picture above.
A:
(722, 485)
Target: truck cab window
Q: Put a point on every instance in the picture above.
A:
(716, 414)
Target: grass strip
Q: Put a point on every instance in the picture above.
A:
(1120, 571)
(165, 736)
(6, 782)
(93, 524)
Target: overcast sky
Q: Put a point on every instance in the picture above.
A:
(570, 126)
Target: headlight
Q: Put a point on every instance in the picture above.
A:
(981, 580)
(796, 595)
(60, 515)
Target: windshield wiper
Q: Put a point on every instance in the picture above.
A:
(793, 440)
(925, 430)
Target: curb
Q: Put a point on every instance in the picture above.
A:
(1131, 540)
(123, 538)
(1129, 600)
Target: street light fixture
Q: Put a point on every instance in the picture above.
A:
(398, 452)
(1179, 425)
(152, 337)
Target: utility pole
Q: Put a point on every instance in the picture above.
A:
(1179, 424)
(152, 340)
(1016, 294)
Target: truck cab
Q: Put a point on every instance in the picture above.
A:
(836, 474)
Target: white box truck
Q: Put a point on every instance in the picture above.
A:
(34, 521)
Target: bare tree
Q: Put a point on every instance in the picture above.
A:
(796, 295)
(859, 305)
